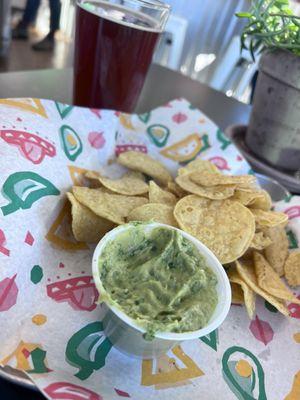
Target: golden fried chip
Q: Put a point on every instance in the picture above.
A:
(141, 162)
(92, 175)
(93, 179)
(262, 202)
(270, 281)
(246, 271)
(87, 226)
(114, 207)
(249, 294)
(260, 241)
(208, 179)
(218, 192)
(269, 218)
(226, 227)
(237, 294)
(176, 189)
(153, 212)
(277, 252)
(200, 166)
(131, 184)
(292, 268)
(246, 197)
(158, 195)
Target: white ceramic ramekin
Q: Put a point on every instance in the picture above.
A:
(127, 336)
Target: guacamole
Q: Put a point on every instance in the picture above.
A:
(159, 279)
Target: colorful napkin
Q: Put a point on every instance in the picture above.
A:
(50, 323)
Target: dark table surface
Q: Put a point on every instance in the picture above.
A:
(161, 86)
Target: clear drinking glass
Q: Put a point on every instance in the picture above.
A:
(114, 44)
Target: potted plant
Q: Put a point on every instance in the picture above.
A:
(274, 128)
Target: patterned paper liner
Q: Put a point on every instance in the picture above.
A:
(50, 324)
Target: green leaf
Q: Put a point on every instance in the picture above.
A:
(251, 50)
(273, 23)
(280, 3)
(243, 15)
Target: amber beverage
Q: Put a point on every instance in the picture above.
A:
(114, 44)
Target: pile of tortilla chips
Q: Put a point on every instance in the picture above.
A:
(231, 215)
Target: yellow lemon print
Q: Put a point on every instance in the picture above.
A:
(39, 319)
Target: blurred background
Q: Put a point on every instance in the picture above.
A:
(201, 41)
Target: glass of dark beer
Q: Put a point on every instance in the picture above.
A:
(114, 44)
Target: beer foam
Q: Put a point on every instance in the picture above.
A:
(121, 15)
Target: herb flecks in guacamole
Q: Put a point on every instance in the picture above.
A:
(160, 279)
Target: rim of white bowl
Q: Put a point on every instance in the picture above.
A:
(223, 286)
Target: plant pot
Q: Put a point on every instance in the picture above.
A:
(274, 129)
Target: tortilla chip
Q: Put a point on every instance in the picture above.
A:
(226, 227)
(153, 212)
(270, 281)
(218, 192)
(93, 181)
(269, 218)
(237, 294)
(141, 162)
(114, 207)
(245, 269)
(158, 195)
(260, 241)
(207, 179)
(200, 166)
(277, 252)
(176, 189)
(246, 197)
(292, 268)
(249, 294)
(87, 226)
(131, 184)
(92, 175)
(262, 202)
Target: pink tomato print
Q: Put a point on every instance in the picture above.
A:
(220, 162)
(79, 292)
(96, 111)
(179, 118)
(8, 293)
(293, 212)
(29, 239)
(294, 309)
(96, 140)
(261, 330)
(3, 248)
(70, 391)
(121, 393)
(31, 146)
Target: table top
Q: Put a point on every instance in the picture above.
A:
(161, 86)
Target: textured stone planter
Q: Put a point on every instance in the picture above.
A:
(274, 129)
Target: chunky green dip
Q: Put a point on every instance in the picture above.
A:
(159, 279)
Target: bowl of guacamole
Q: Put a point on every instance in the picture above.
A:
(159, 285)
